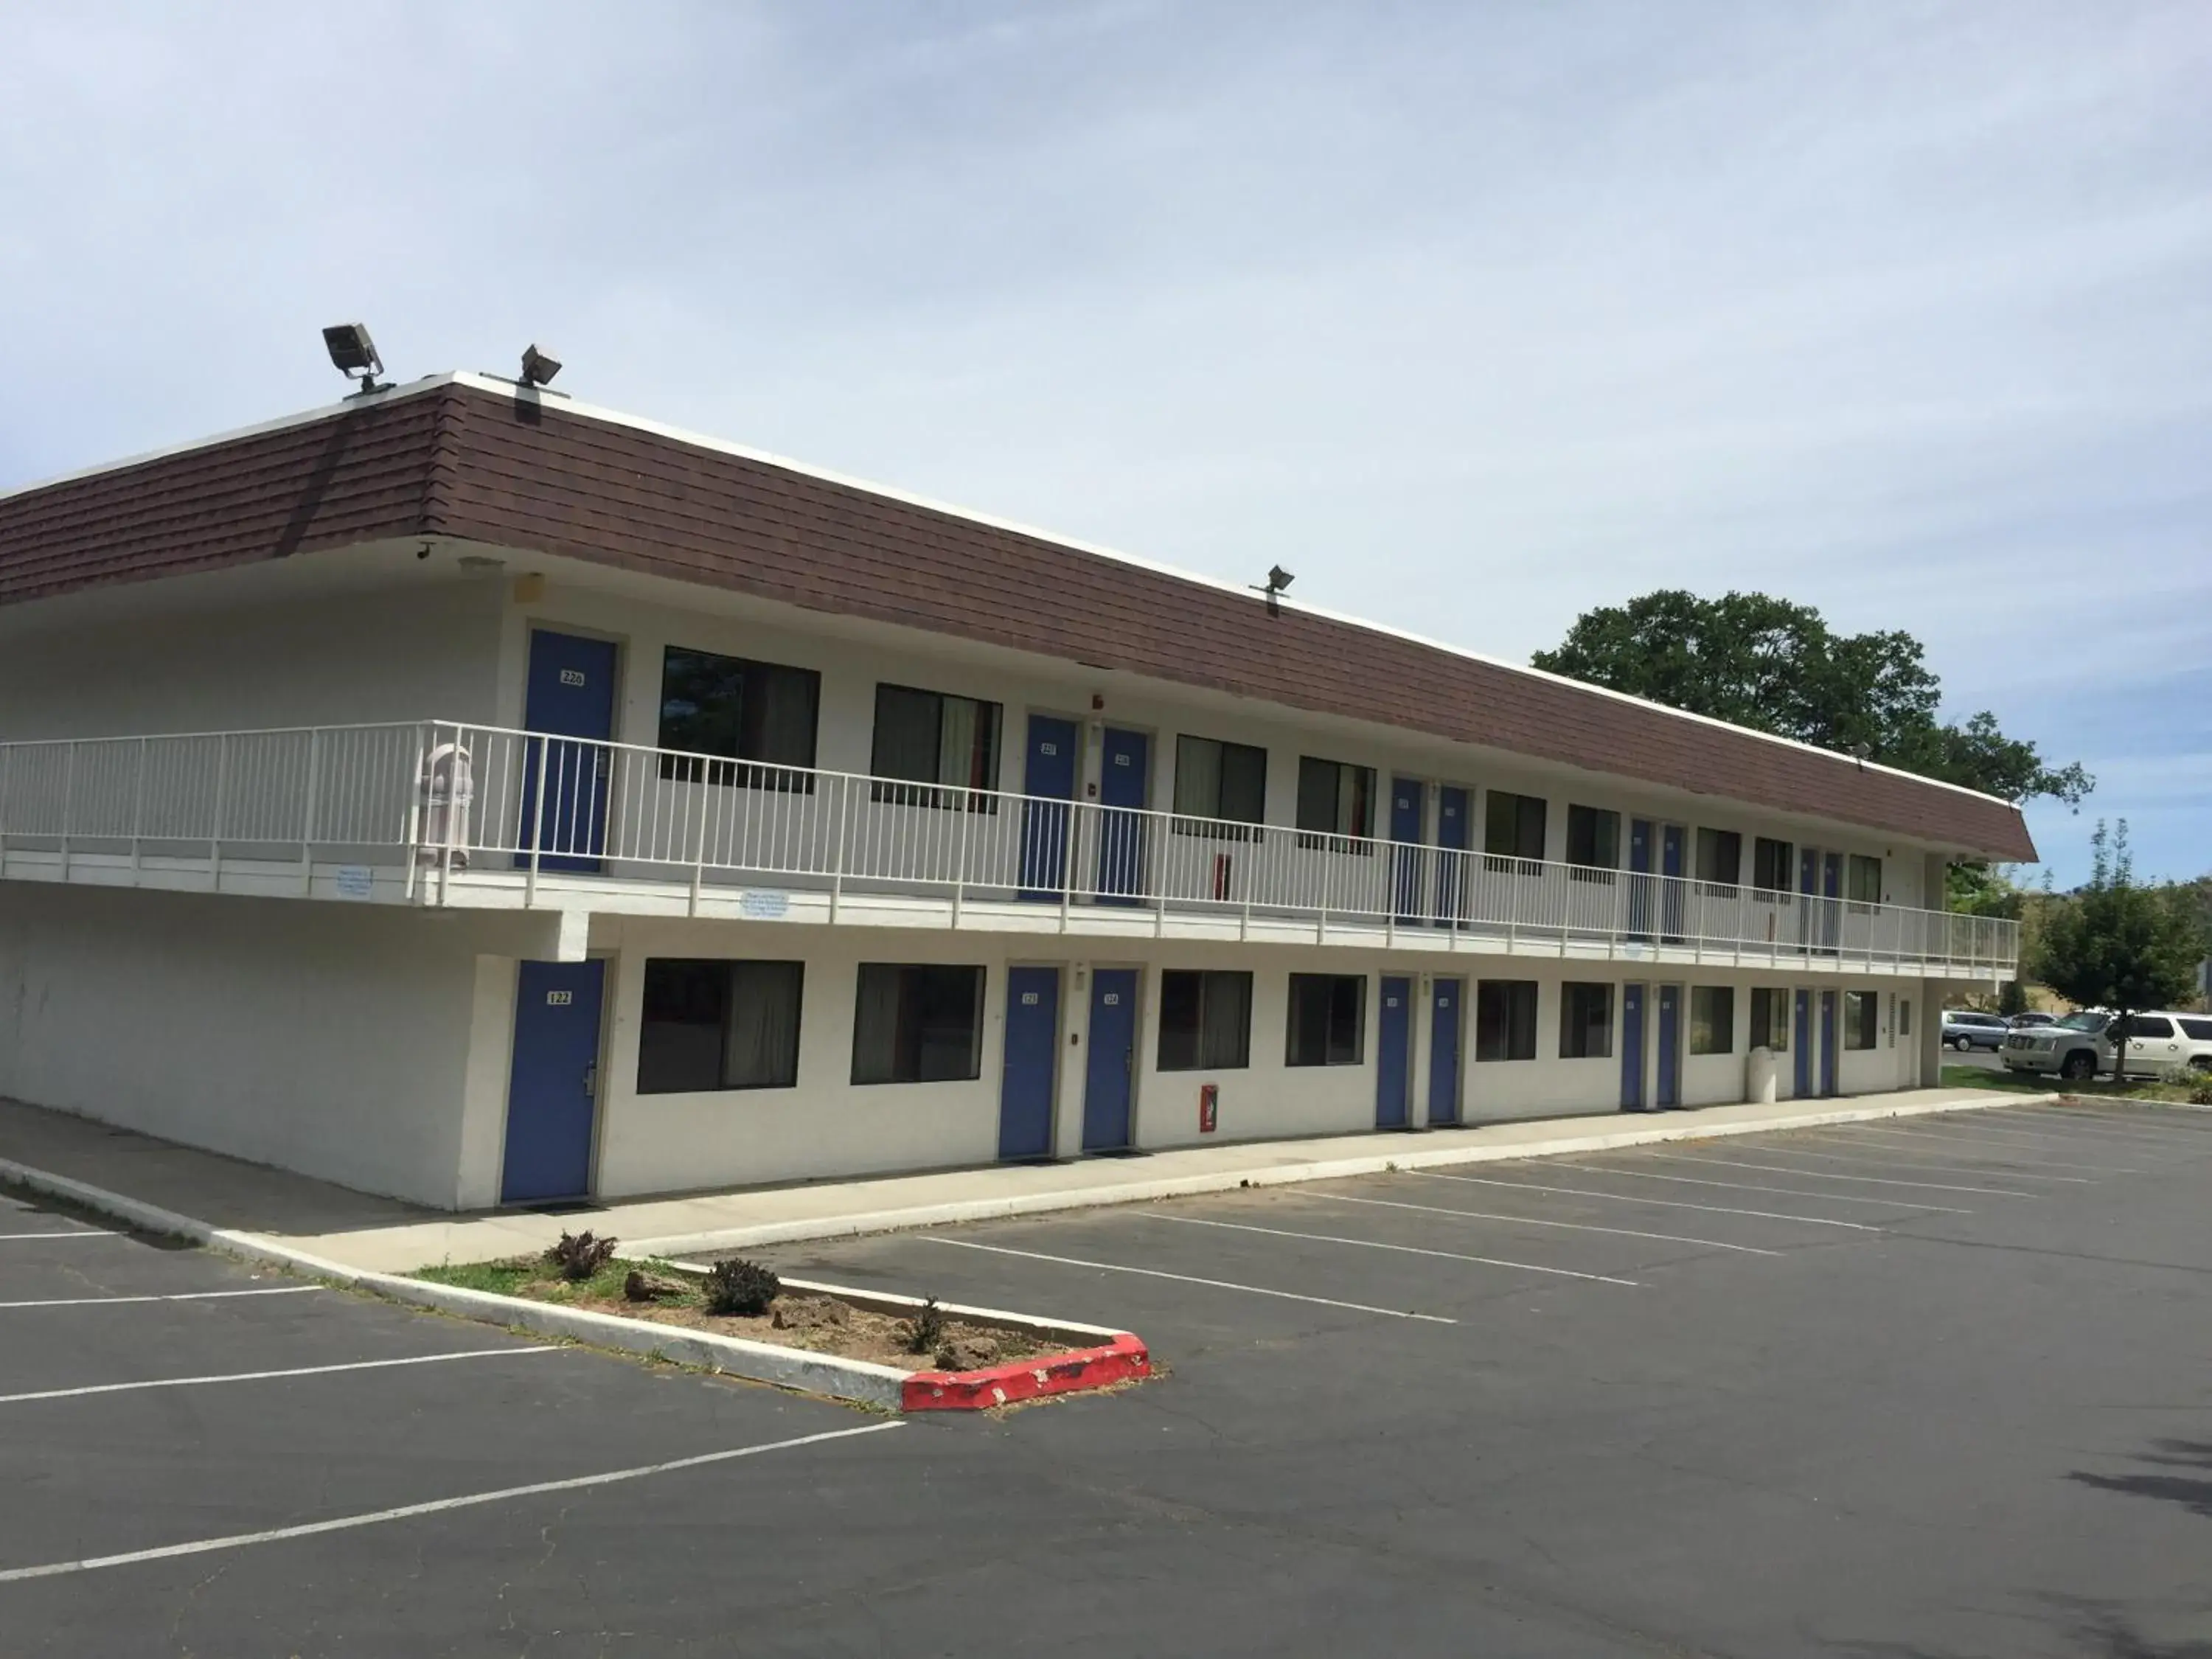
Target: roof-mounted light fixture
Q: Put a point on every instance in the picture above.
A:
(539, 368)
(1278, 580)
(353, 353)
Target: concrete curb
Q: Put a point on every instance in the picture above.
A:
(1689, 1128)
(885, 1388)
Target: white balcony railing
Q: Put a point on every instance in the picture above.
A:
(442, 803)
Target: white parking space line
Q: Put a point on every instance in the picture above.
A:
(1825, 1174)
(436, 1506)
(1638, 1198)
(2123, 1131)
(1991, 1133)
(1534, 1221)
(1892, 1156)
(1945, 1146)
(178, 1296)
(263, 1377)
(1886, 1203)
(1186, 1278)
(66, 1232)
(1957, 1140)
(1403, 1249)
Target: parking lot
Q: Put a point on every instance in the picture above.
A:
(1926, 1387)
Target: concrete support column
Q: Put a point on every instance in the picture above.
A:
(1074, 1051)
(1928, 1030)
(1423, 1016)
(482, 1115)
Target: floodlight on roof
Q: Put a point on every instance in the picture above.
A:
(353, 353)
(539, 368)
(1278, 580)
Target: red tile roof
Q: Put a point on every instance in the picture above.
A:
(458, 459)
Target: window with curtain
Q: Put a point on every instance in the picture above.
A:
(1335, 800)
(931, 749)
(710, 1025)
(1512, 828)
(1206, 1021)
(1863, 880)
(1862, 1019)
(1585, 1021)
(1328, 1019)
(742, 710)
(1712, 1019)
(1771, 870)
(1720, 858)
(1769, 1018)
(1505, 1019)
(1220, 788)
(917, 1023)
(1593, 840)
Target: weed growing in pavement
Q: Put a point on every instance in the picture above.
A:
(740, 1287)
(926, 1329)
(579, 1255)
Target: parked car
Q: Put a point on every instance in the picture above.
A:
(1963, 1029)
(2081, 1045)
(2025, 1022)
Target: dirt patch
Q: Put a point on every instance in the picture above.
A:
(811, 1321)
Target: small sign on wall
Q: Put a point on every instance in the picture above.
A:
(571, 677)
(354, 881)
(764, 906)
(1209, 1107)
(559, 998)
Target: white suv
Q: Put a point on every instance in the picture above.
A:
(2081, 1045)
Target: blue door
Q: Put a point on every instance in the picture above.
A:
(1393, 1056)
(1032, 1066)
(1631, 1048)
(1670, 890)
(1669, 1092)
(553, 1083)
(1802, 1035)
(1639, 878)
(1109, 1080)
(1444, 1052)
(1049, 778)
(1453, 828)
(1121, 776)
(570, 694)
(1828, 1042)
(1408, 804)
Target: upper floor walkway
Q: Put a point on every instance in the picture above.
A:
(439, 813)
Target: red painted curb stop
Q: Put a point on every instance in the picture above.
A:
(1120, 1361)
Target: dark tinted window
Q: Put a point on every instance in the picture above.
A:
(1720, 856)
(2200, 1030)
(1206, 1021)
(1712, 1019)
(1770, 865)
(1327, 1014)
(1505, 1019)
(1593, 837)
(917, 1023)
(1862, 1018)
(1513, 825)
(744, 710)
(1770, 1019)
(2149, 1025)
(1585, 1021)
(1215, 779)
(712, 1024)
(1335, 798)
(932, 737)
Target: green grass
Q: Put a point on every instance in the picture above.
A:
(539, 1280)
(1973, 1077)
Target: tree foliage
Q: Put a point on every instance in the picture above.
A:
(1766, 663)
(2119, 946)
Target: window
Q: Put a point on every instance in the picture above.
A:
(1206, 1021)
(926, 737)
(1505, 1019)
(1770, 1019)
(750, 711)
(1904, 1016)
(1223, 784)
(1863, 880)
(1862, 1018)
(1334, 798)
(1712, 1019)
(1770, 865)
(1593, 836)
(1585, 1021)
(1513, 827)
(1329, 1012)
(1720, 857)
(712, 1024)
(917, 1023)
(2199, 1029)
(2149, 1025)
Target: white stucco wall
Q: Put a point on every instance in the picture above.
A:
(330, 1039)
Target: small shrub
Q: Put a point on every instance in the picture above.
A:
(741, 1288)
(926, 1329)
(579, 1255)
(2200, 1088)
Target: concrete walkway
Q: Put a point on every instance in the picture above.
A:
(379, 1235)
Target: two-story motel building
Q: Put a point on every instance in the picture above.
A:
(467, 794)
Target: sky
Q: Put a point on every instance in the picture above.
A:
(1473, 316)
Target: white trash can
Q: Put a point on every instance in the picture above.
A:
(1760, 1076)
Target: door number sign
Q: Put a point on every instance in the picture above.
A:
(571, 677)
(559, 998)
